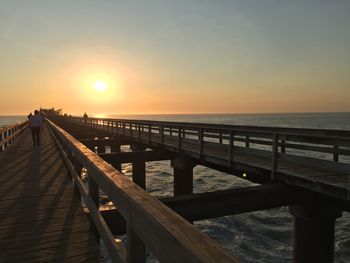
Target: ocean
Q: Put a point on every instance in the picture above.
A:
(262, 236)
(7, 120)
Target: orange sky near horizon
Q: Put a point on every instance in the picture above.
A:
(140, 91)
(168, 58)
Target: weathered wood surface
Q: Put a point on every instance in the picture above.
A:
(165, 233)
(327, 177)
(41, 218)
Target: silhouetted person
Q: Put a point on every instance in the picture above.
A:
(29, 116)
(85, 117)
(35, 124)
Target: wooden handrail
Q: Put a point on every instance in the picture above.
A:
(293, 144)
(170, 237)
(310, 140)
(9, 133)
(319, 133)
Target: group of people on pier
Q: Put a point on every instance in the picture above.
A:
(36, 121)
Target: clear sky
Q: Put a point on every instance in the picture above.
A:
(167, 56)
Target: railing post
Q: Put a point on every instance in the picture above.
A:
(139, 133)
(130, 126)
(220, 137)
(1, 143)
(231, 148)
(110, 127)
(274, 155)
(179, 139)
(95, 197)
(150, 133)
(201, 142)
(336, 153)
(136, 248)
(162, 134)
(283, 144)
(78, 168)
(247, 141)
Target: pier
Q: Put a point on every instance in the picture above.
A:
(41, 218)
(42, 190)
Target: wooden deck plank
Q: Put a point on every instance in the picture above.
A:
(41, 218)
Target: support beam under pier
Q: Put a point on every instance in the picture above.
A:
(314, 232)
(183, 175)
(220, 203)
(138, 167)
(116, 148)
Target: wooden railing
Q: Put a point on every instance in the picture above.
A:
(149, 222)
(10, 132)
(272, 142)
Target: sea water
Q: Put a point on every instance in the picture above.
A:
(7, 120)
(262, 236)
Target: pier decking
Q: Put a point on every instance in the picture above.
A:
(41, 217)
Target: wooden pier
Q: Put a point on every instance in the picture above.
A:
(305, 169)
(41, 217)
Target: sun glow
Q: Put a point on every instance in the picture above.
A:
(100, 86)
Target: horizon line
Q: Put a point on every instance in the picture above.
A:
(194, 113)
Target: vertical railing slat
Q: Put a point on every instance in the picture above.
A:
(274, 155)
(201, 142)
(179, 138)
(95, 197)
(231, 148)
(336, 153)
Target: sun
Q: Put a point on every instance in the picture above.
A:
(100, 86)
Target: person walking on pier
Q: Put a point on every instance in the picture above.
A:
(85, 116)
(35, 125)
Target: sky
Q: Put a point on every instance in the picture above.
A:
(183, 56)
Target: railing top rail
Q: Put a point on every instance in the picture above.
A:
(304, 132)
(10, 126)
(148, 217)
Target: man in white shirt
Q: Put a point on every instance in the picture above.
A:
(35, 124)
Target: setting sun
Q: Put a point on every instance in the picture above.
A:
(100, 85)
